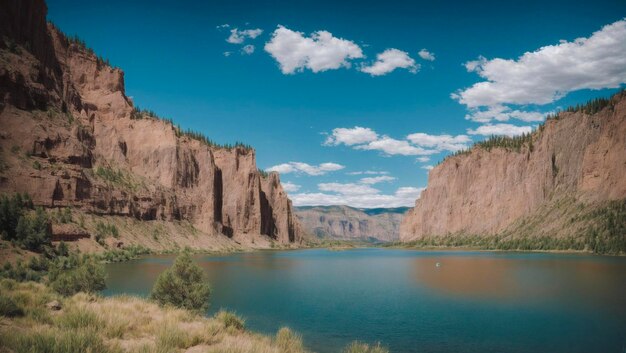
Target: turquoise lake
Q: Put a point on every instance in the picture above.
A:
(470, 302)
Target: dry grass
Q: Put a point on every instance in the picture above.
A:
(122, 324)
(89, 323)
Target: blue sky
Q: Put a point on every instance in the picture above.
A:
(333, 93)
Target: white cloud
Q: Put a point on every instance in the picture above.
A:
(351, 136)
(247, 49)
(423, 159)
(440, 142)
(299, 167)
(238, 37)
(227, 53)
(500, 129)
(321, 51)
(290, 187)
(376, 180)
(502, 113)
(368, 172)
(348, 188)
(549, 73)
(392, 146)
(390, 60)
(417, 144)
(403, 196)
(426, 55)
(427, 167)
(225, 25)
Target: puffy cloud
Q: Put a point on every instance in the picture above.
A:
(417, 144)
(502, 113)
(500, 129)
(549, 73)
(403, 196)
(227, 53)
(300, 167)
(376, 180)
(321, 51)
(440, 142)
(225, 25)
(427, 167)
(239, 36)
(426, 55)
(351, 136)
(423, 159)
(247, 49)
(392, 146)
(390, 60)
(290, 187)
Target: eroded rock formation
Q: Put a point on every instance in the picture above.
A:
(71, 137)
(575, 158)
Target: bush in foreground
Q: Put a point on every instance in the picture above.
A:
(231, 320)
(183, 285)
(73, 274)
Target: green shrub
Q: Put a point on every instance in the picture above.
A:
(183, 285)
(230, 320)
(11, 210)
(73, 274)
(33, 231)
(9, 308)
(359, 347)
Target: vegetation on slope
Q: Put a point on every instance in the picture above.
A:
(565, 225)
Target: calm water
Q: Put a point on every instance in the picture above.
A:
(473, 302)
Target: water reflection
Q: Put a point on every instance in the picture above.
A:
(527, 278)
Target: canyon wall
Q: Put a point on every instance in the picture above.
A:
(576, 156)
(70, 136)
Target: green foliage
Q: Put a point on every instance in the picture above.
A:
(121, 255)
(33, 231)
(104, 230)
(21, 271)
(607, 235)
(64, 215)
(36, 165)
(196, 135)
(62, 249)
(9, 308)
(11, 210)
(263, 173)
(592, 106)
(359, 347)
(509, 143)
(183, 285)
(231, 320)
(73, 274)
(491, 242)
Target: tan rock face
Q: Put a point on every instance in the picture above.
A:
(68, 139)
(348, 223)
(483, 192)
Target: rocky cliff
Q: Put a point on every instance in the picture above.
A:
(70, 136)
(348, 223)
(545, 184)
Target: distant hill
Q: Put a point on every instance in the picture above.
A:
(349, 223)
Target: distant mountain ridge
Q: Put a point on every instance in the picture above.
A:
(350, 223)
